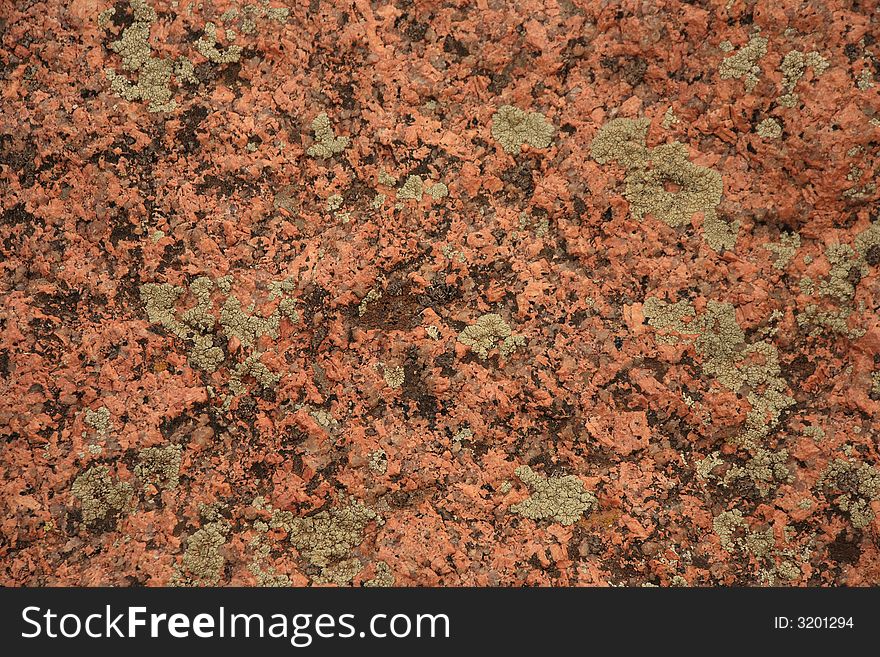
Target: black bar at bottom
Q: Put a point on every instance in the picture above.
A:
(435, 621)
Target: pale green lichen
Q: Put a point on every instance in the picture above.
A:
(327, 144)
(562, 499)
(785, 249)
(378, 461)
(252, 366)
(207, 47)
(153, 73)
(412, 189)
(847, 267)
(437, 191)
(743, 64)
(793, 67)
(245, 326)
(101, 497)
(726, 524)
(329, 536)
(394, 376)
(383, 577)
(622, 141)
(334, 202)
(340, 573)
(98, 420)
(512, 127)
(386, 178)
(371, 297)
(198, 325)
(488, 332)
(649, 172)
(856, 486)
(159, 466)
(203, 562)
(105, 16)
(727, 357)
(769, 129)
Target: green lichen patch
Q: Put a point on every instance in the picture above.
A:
(159, 466)
(153, 74)
(329, 536)
(769, 129)
(378, 461)
(203, 562)
(743, 64)
(207, 47)
(437, 191)
(412, 189)
(340, 573)
(785, 249)
(487, 333)
(622, 141)
(327, 144)
(562, 499)
(199, 324)
(793, 67)
(855, 485)
(650, 172)
(383, 577)
(102, 498)
(739, 366)
(252, 366)
(394, 376)
(99, 420)
(726, 525)
(512, 127)
(847, 267)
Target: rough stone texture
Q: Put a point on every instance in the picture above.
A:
(221, 243)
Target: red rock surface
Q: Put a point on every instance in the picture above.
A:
(101, 196)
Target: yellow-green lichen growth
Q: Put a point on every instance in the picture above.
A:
(371, 297)
(726, 524)
(856, 485)
(153, 73)
(329, 536)
(736, 364)
(847, 267)
(769, 129)
(793, 67)
(487, 332)
(743, 64)
(378, 461)
(203, 563)
(512, 127)
(327, 144)
(383, 576)
(159, 466)
(785, 249)
(98, 420)
(562, 499)
(437, 191)
(650, 171)
(340, 573)
(622, 141)
(394, 376)
(699, 188)
(252, 366)
(105, 16)
(412, 189)
(101, 497)
(207, 47)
